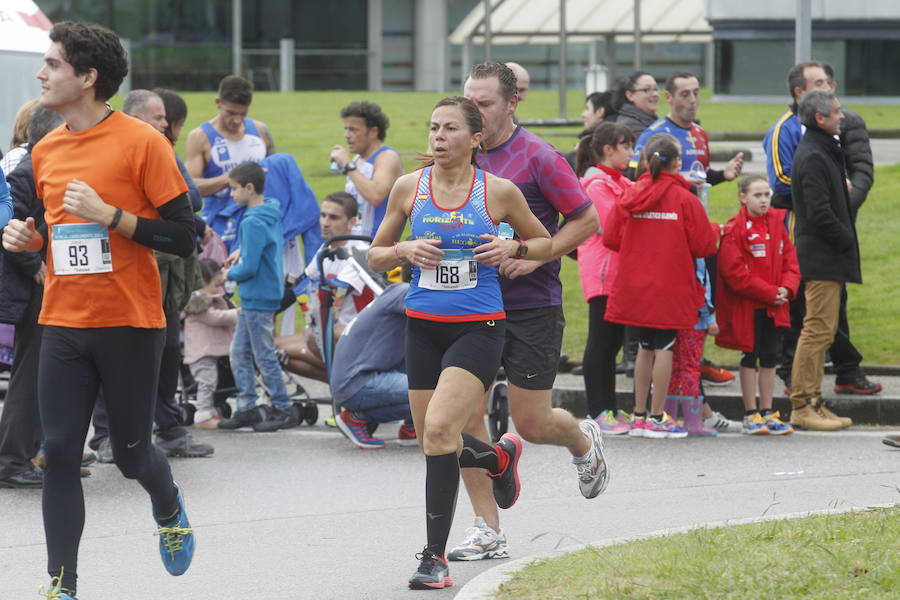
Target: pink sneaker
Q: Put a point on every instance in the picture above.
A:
(637, 426)
(664, 428)
(623, 417)
(610, 425)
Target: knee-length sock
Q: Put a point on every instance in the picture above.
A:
(441, 488)
(479, 455)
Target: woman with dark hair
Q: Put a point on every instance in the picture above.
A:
(456, 326)
(176, 113)
(598, 107)
(601, 159)
(636, 102)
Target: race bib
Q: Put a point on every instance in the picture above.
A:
(81, 249)
(456, 271)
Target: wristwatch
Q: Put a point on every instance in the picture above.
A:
(350, 166)
(522, 250)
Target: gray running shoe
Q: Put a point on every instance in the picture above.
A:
(184, 447)
(593, 474)
(104, 451)
(481, 542)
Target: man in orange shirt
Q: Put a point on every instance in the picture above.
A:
(112, 194)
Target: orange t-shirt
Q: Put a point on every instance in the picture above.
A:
(131, 166)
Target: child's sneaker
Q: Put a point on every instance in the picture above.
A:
(357, 431)
(637, 426)
(776, 426)
(433, 572)
(406, 436)
(755, 424)
(176, 541)
(610, 425)
(722, 424)
(624, 417)
(664, 428)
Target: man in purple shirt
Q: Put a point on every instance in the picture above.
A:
(532, 295)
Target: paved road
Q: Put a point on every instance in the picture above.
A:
(302, 514)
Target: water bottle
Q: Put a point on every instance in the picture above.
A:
(335, 168)
(698, 172)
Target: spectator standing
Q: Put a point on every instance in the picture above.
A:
(259, 274)
(220, 144)
(827, 250)
(597, 108)
(374, 168)
(18, 145)
(22, 278)
(780, 144)
(636, 101)
(658, 228)
(209, 324)
(758, 275)
(523, 79)
(602, 158)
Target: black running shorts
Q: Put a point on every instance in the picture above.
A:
(656, 339)
(431, 347)
(533, 341)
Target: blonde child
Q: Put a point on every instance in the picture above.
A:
(758, 276)
(208, 328)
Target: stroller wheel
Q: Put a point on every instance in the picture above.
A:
(187, 413)
(311, 413)
(498, 410)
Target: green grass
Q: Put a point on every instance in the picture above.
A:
(852, 555)
(307, 125)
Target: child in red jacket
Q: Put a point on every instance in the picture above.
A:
(658, 228)
(758, 276)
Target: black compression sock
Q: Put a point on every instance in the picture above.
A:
(640, 415)
(478, 454)
(441, 487)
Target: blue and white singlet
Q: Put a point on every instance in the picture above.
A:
(459, 289)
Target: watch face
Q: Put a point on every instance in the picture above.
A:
(523, 251)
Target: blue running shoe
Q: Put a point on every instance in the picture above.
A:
(56, 592)
(755, 424)
(176, 542)
(776, 426)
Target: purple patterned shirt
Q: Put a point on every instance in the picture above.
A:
(550, 187)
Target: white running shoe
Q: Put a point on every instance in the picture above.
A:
(481, 542)
(718, 422)
(593, 474)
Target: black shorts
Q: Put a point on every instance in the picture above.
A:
(431, 347)
(765, 347)
(533, 341)
(655, 339)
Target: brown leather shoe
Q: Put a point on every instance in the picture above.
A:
(807, 417)
(85, 472)
(845, 421)
(891, 440)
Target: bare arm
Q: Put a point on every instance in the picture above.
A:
(507, 203)
(196, 157)
(388, 168)
(387, 251)
(266, 136)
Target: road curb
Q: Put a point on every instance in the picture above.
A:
(484, 586)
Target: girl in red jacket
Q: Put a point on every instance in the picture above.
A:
(758, 276)
(600, 160)
(658, 228)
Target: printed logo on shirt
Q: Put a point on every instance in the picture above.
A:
(656, 216)
(758, 250)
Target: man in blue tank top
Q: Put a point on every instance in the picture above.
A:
(371, 173)
(219, 145)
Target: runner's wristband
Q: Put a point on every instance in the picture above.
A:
(116, 218)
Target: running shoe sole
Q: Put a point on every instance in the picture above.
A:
(501, 480)
(852, 389)
(601, 482)
(425, 585)
(503, 553)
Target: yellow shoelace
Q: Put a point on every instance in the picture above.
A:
(173, 537)
(55, 592)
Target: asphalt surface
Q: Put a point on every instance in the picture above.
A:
(303, 514)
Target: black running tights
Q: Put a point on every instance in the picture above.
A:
(603, 343)
(74, 365)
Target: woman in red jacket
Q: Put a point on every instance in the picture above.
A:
(658, 228)
(758, 276)
(600, 160)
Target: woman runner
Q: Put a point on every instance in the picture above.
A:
(455, 330)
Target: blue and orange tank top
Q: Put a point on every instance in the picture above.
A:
(459, 289)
